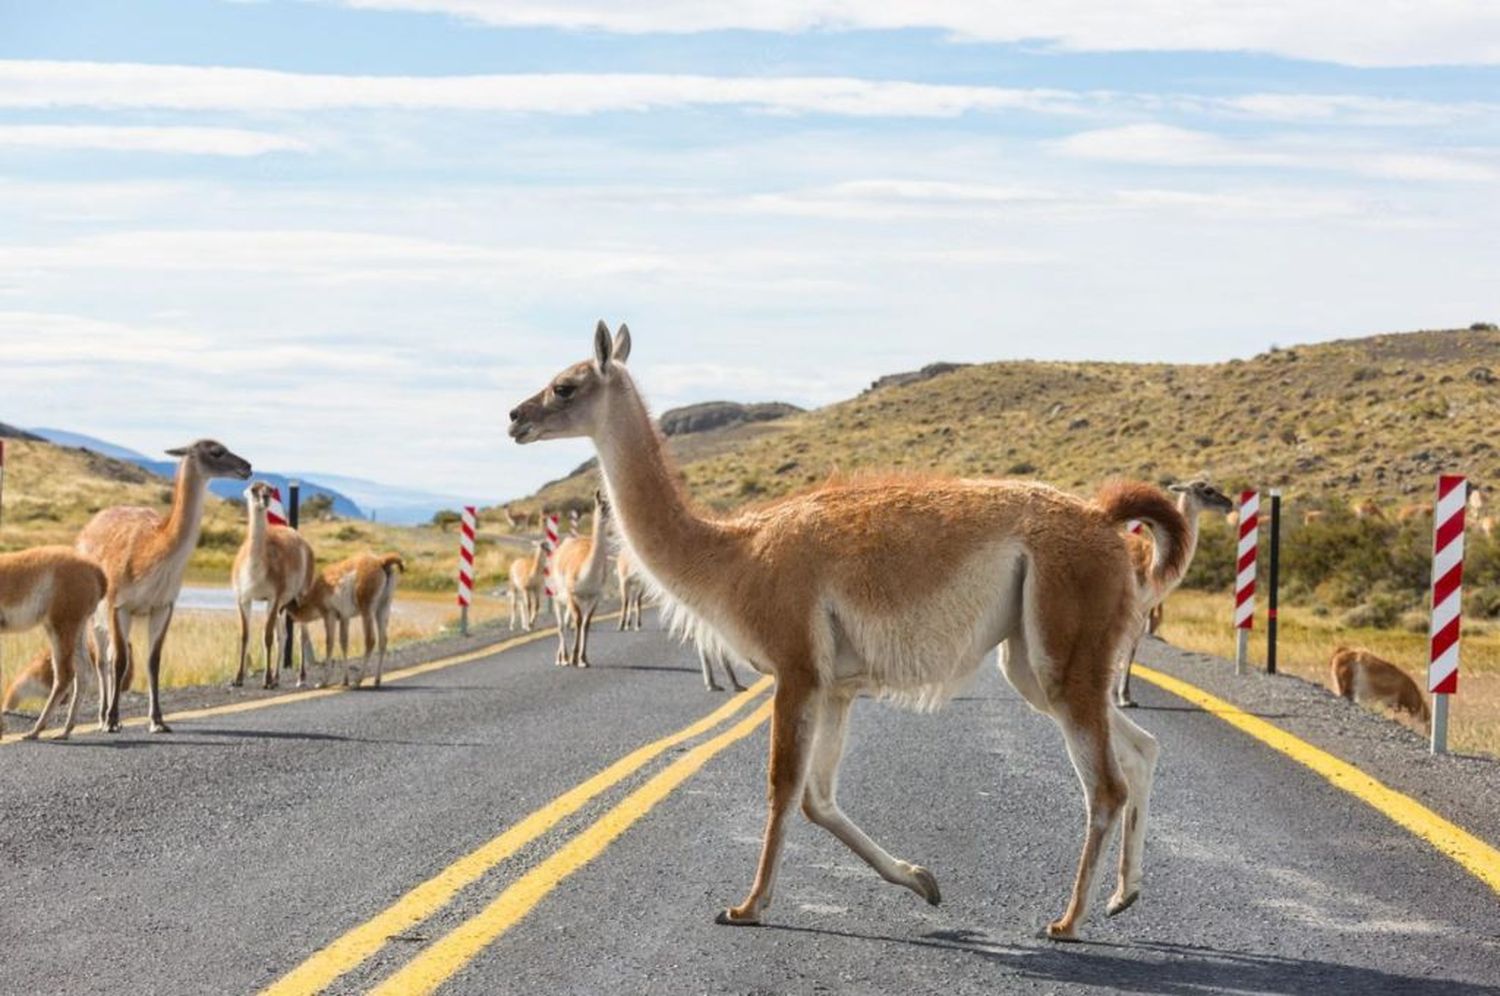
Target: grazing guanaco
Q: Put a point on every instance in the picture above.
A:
(1193, 499)
(1369, 509)
(57, 589)
(1358, 675)
(363, 585)
(578, 569)
(144, 555)
(36, 677)
(818, 588)
(274, 564)
(1312, 515)
(525, 584)
(630, 592)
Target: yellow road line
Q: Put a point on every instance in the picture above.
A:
(1474, 855)
(251, 705)
(440, 960)
(355, 946)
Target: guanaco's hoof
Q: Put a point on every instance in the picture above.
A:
(160, 728)
(726, 918)
(1119, 904)
(29, 736)
(1055, 931)
(928, 887)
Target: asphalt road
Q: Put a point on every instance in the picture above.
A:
(220, 858)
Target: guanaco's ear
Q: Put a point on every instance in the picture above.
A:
(1178, 488)
(603, 347)
(179, 451)
(622, 343)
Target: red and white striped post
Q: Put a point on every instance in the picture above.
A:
(1447, 599)
(467, 525)
(1244, 576)
(549, 548)
(275, 511)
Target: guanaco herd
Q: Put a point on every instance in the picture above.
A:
(129, 563)
(895, 587)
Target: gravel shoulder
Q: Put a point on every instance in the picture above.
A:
(1464, 789)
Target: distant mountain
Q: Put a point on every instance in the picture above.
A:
(342, 505)
(391, 503)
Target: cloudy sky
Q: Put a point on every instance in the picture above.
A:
(348, 236)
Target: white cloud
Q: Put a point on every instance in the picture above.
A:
(1353, 32)
(184, 140)
(45, 84)
(1166, 145)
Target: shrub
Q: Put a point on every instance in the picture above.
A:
(1382, 611)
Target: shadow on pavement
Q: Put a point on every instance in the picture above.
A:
(1171, 969)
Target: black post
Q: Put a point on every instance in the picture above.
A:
(1275, 580)
(293, 489)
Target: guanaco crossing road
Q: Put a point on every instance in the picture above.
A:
(505, 826)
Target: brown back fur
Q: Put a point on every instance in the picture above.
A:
(1357, 670)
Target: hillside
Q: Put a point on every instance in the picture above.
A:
(166, 468)
(1373, 417)
(51, 491)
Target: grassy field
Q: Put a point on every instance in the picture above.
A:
(1201, 621)
(203, 646)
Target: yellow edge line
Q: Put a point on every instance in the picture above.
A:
(317, 693)
(439, 961)
(1474, 855)
(354, 947)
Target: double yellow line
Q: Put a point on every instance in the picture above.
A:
(440, 960)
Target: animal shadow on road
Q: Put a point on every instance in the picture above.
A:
(1170, 969)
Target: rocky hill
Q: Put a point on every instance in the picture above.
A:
(1374, 417)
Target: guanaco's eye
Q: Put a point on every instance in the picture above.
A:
(564, 391)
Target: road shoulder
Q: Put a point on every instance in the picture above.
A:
(1463, 789)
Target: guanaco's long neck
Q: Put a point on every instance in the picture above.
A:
(186, 517)
(257, 533)
(598, 550)
(670, 540)
(1190, 509)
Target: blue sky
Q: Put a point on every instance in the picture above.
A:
(350, 235)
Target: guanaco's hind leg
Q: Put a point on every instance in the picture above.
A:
(63, 645)
(161, 618)
(1086, 729)
(820, 798)
(561, 614)
(119, 661)
(1122, 691)
(708, 671)
(244, 612)
(1137, 751)
(581, 649)
(790, 736)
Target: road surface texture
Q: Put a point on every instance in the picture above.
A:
(240, 848)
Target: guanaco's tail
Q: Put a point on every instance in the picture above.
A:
(1122, 501)
(392, 561)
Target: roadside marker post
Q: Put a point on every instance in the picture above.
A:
(276, 512)
(288, 519)
(1447, 600)
(1244, 581)
(549, 548)
(467, 526)
(1275, 580)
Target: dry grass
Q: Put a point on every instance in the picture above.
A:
(1201, 621)
(203, 646)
